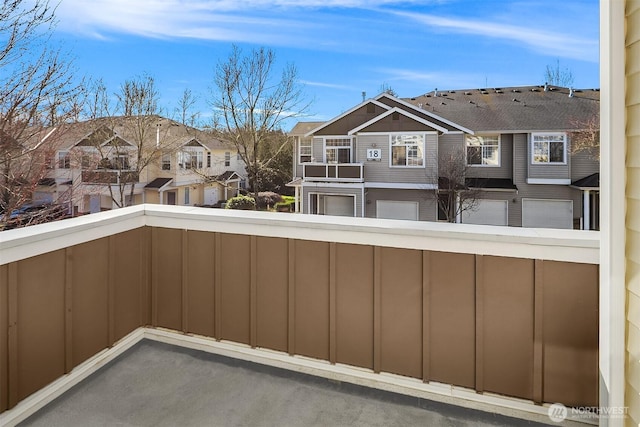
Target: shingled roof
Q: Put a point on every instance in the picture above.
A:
(516, 109)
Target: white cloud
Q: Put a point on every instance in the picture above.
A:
(535, 37)
(325, 85)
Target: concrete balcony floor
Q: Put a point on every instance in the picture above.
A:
(157, 384)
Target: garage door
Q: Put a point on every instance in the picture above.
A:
(339, 205)
(211, 196)
(487, 212)
(547, 213)
(397, 210)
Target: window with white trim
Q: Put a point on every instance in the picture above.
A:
(549, 148)
(186, 195)
(190, 159)
(337, 150)
(483, 150)
(166, 162)
(227, 158)
(64, 160)
(304, 151)
(407, 150)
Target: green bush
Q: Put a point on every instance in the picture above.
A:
(245, 203)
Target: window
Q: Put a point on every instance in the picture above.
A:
(337, 150)
(166, 162)
(483, 150)
(190, 159)
(549, 147)
(208, 159)
(407, 150)
(186, 195)
(227, 158)
(121, 161)
(85, 161)
(304, 151)
(64, 160)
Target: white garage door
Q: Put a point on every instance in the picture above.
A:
(339, 205)
(211, 196)
(397, 210)
(547, 213)
(487, 212)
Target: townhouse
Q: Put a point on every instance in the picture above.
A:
(109, 162)
(384, 158)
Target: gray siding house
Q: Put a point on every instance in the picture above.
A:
(381, 158)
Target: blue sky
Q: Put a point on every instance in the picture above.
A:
(340, 47)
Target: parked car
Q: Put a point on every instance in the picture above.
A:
(35, 213)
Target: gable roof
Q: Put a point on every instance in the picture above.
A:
(405, 113)
(515, 109)
(347, 113)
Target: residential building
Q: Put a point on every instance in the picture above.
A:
(106, 163)
(384, 157)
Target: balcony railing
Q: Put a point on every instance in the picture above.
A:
(449, 309)
(106, 176)
(345, 172)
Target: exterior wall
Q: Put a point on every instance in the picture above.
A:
(583, 165)
(427, 210)
(632, 398)
(554, 171)
(518, 328)
(335, 190)
(382, 171)
(506, 162)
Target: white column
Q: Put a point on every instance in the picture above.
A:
(297, 202)
(458, 212)
(161, 197)
(586, 213)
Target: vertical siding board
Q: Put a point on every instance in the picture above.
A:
(185, 282)
(272, 288)
(217, 311)
(253, 293)
(452, 318)
(401, 311)
(169, 278)
(199, 298)
(126, 282)
(570, 333)
(479, 324)
(332, 303)
(154, 276)
(291, 285)
(235, 288)
(68, 311)
(377, 322)
(4, 337)
(145, 276)
(538, 335)
(12, 345)
(426, 314)
(111, 291)
(354, 304)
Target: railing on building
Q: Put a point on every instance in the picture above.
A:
(492, 309)
(104, 176)
(345, 172)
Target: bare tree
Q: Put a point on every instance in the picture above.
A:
(36, 90)
(586, 139)
(184, 109)
(253, 101)
(558, 76)
(454, 196)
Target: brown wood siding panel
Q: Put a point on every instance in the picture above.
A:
(570, 333)
(402, 124)
(90, 296)
(272, 293)
(199, 287)
(41, 321)
(168, 269)
(312, 299)
(4, 337)
(126, 281)
(508, 322)
(343, 125)
(452, 315)
(235, 287)
(401, 311)
(354, 305)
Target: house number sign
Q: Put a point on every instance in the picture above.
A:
(374, 154)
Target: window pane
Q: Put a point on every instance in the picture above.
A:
(398, 156)
(490, 155)
(556, 151)
(540, 152)
(474, 156)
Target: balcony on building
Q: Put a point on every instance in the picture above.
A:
(333, 172)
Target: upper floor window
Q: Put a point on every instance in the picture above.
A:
(166, 162)
(64, 160)
(407, 150)
(227, 158)
(337, 150)
(208, 159)
(483, 150)
(304, 151)
(190, 159)
(120, 161)
(549, 147)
